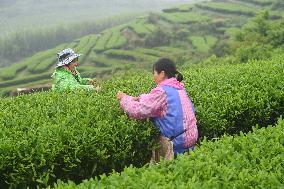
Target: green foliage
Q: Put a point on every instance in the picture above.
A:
(127, 55)
(102, 41)
(85, 68)
(117, 40)
(10, 72)
(87, 47)
(254, 160)
(45, 65)
(159, 38)
(49, 136)
(260, 2)
(185, 17)
(186, 7)
(101, 61)
(63, 136)
(169, 49)
(203, 43)
(253, 51)
(232, 32)
(278, 5)
(231, 98)
(276, 34)
(35, 60)
(82, 43)
(258, 38)
(42, 61)
(171, 10)
(24, 80)
(141, 27)
(10, 90)
(151, 32)
(210, 40)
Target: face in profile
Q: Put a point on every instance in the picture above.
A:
(74, 63)
(159, 77)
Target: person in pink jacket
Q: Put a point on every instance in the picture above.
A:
(169, 107)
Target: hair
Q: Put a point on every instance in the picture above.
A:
(169, 67)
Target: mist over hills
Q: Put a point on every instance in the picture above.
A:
(30, 26)
(186, 33)
(16, 15)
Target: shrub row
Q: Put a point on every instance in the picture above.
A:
(116, 41)
(231, 8)
(129, 55)
(254, 160)
(87, 48)
(30, 79)
(231, 98)
(11, 71)
(185, 17)
(141, 27)
(102, 40)
(203, 43)
(83, 42)
(49, 136)
(260, 2)
(44, 59)
(103, 61)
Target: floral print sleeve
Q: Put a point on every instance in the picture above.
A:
(153, 104)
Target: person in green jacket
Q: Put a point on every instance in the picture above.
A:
(66, 77)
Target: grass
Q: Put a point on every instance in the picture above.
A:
(203, 43)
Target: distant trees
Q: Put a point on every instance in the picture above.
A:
(258, 38)
(27, 42)
(159, 38)
(278, 5)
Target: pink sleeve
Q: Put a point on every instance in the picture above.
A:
(153, 104)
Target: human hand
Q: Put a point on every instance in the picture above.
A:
(98, 88)
(119, 95)
(135, 98)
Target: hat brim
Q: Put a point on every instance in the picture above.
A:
(68, 60)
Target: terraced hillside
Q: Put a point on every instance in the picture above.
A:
(188, 32)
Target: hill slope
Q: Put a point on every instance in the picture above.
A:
(187, 32)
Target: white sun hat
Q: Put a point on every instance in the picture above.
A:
(66, 56)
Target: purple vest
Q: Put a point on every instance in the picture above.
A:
(171, 125)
